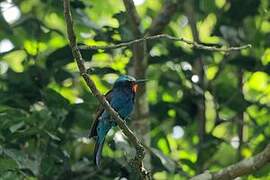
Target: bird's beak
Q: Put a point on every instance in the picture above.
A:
(141, 81)
(137, 83)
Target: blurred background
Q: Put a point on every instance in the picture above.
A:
(200, 110)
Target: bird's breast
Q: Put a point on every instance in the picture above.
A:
(123, 102)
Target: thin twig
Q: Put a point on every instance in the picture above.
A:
(194, 44)
(136, 163)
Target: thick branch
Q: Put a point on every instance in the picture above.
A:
(162, 19)
(137, 162)
(138, 69)
(241, 168)
(199, 69)
(193, 44)
(133, 16)
(240, 119)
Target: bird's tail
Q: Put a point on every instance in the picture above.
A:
(98, 151)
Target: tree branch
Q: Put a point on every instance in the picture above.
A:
(136, 163)
(241, 168)
(240, 119)
(199, 70)
(133, 16)
(138, 69)
(194, 44)
(162, 19)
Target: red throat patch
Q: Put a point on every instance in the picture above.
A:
(134, 88)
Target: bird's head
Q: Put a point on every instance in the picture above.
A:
(126, 81)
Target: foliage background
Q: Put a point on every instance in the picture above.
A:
(46, 109)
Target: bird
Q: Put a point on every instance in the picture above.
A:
(121, 98)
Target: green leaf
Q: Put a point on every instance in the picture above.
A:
(124, 26)
(11, 175)
(54, 137)
(61, 75)
(248, 63)
(189, 163)
(47, 166)
(63, 56)
(23, 160)
(207, 5)
(55, 100)
(7, 164)
(17, 126)
(77, 4)
(165, 160)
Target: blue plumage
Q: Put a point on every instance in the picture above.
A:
(121, 98)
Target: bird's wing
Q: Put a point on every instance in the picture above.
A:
(100, 110)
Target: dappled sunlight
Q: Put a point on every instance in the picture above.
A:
(138, 2)
(10, 11)
(204, 106)
(178, 132)
(5, 45)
